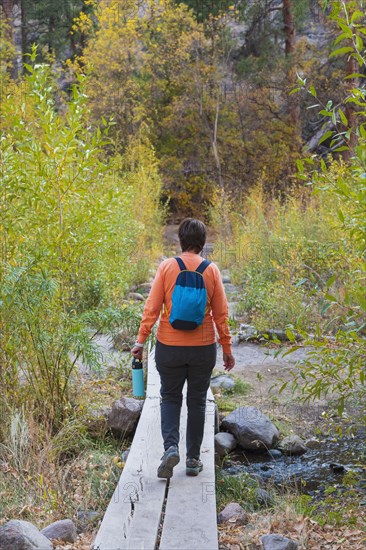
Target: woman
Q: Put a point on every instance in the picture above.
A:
(185, 355)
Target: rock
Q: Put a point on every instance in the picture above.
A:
(337, 468)
(63, 530)
(258, 479)
(97, 421)
(226, 279)
(292, 445)
(144, 288)
(312, 443)
(124, 416)
(22, 535)
(125, 454)
(86, 519)
(234, 513)
(252, 428)
(247, 332)
(224, 443)
(123, 341)
(264, 498)
(278, 542)
(222, 381)
(275, 454)
(135, 296)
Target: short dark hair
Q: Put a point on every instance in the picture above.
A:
(192, 235)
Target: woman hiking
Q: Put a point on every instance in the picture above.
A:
(186, 347)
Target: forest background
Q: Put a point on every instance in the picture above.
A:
(117, 116)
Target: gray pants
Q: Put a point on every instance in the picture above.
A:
(176, 364)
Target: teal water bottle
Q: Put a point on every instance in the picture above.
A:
(138, 386)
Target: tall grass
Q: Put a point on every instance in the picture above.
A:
(281, 254)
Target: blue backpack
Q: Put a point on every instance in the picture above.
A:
(189, 298)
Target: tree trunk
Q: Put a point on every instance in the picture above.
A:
(24, 30)
(293, 105)
(289, 27)
(350, 108)
(7, 8)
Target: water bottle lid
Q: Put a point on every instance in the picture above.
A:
(136, 364)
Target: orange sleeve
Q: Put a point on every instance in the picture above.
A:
(220, 311)
(152, 307)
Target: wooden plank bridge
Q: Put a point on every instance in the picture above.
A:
(148, 513)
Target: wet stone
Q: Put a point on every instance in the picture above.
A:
(278, 542)
(275, 454)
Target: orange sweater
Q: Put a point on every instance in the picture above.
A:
(159, 302)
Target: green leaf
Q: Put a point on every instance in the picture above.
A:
(312, 90)
(343, 36)
(357, 15)
(359, 43)
(330, 298)
(28, 67)
(341, 51)
(331, 281)
(354, 75)
(326, 136)
(359, 58)
(343, 117)
(294, 91)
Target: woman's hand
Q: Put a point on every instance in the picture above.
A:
(229, 361)
(137, 352)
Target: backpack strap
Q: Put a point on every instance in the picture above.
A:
(181, 263)
(202, 266)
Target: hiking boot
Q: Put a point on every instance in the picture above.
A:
(169, 459)
(193, 467)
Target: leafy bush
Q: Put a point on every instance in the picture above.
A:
(78, 226)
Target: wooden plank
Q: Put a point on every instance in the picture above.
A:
(190, 516)
(133, 516)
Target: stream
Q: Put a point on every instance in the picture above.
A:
(311, 472)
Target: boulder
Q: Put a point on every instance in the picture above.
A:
(97, 421)
(234, 513)
(292, 445)
(264, 498)
(144, 288)
(124, 416)
(252, 428)
(123, 341)
(337, 468)
(63, 530)
(278, 542)
(312, 443)
(222, 381)
(136, 296)
(87, 519)
(247, 332)
(224, 443)
(22, 535)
